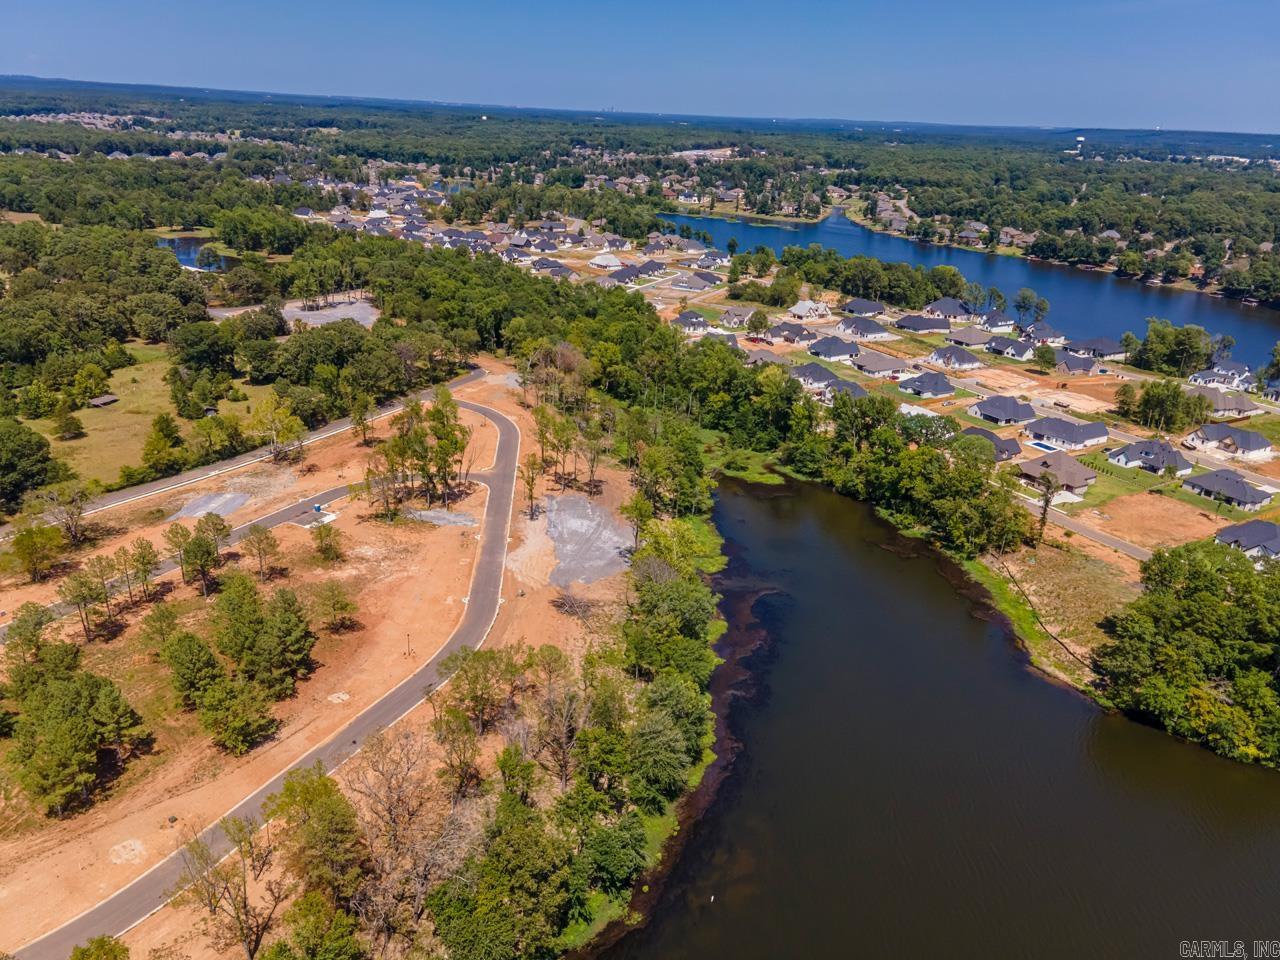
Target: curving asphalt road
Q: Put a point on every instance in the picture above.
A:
(148, 893)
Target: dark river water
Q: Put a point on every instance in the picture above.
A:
(909, 787)
(1082, 303)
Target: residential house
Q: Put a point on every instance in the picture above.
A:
(1067, 434)
(813, 376)
(809, 310)
(1227, 374)
(1259, 539)
(688, 281)
(947, 308)
(1228, 487)
(605, 261)
(1016, 349)
(875, 364)
(1073, 364)
(1006, 447)
(796, 333)
(1041, 332)
(736, 316)
(838, 385)
(728, 338)
(1157, 456)
(953, 358)
(967, 337)
(650, 268)
(857, 307)
(1226, 405)
(835, 349)
(863, 328)
(995, 321)
(1100, 348)
(928, 385)
(1003, 410)
(921, 324)
(1232, 441)
(1072, 476)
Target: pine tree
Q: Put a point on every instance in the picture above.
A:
(194, 667)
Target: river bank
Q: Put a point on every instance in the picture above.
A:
(1084, 303)
(904, 781)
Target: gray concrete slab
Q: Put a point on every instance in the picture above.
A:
(590, 542)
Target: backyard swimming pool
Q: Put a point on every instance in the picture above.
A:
(1039, 445)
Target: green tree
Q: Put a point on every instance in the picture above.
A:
(327, 540)
(322, 845)
(101, 948)
(36, 547)
(236, 713)
(261, 544)
(193, 667)
(334, 605)
(1045, 358)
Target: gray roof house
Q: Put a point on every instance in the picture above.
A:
(954, 358)
(736, 316)
(691, 322)
(1014, 349)
(833, 348)
(838, 385)
(813, 376)
(947, 308)
(1154, 455)
(1074, 364)
(1067, 435)
(1229, 487)
(1003, 410)
(857, 307)
(1100, 348)
(928, 385)
(877, 364)
(1006, 447)
(1224, 404)
(792, 333)
(967, 337)
(1233, 441)
(1255, 538)
(861, 328)
(921, 324)
(1072, 475)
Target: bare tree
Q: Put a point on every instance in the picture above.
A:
(239, 893)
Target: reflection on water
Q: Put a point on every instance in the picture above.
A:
(1083, 303)
(910, 787)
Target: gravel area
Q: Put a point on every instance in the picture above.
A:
(590, 543)
(223, 504)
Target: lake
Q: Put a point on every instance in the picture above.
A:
(910, 787)
(1082, 303)
(187, 249)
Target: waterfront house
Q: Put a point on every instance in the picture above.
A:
(875, 364)
(953, 358)
(1067, 434)
(809, 310)
(1015, 349)
(1072, 476)
(1259, 539)
(857, 307)
(736, 316)
(1232, 441)
(1157, 456)
(834, 349)
(861, 328)
(967, 337)
(922, 324)
(1003, 410)
(1006, 447)
(928, 385)
(947, 308)
(1228, 487)
(796, 333)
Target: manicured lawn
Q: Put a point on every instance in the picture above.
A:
(1113, 482)
(1268, 425)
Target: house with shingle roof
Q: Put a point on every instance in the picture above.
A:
(1072, 475)
(1006, 447)
(862, 328)
(947, 308)
(1230, 440)
(928, 385)
(835, 349)
(922, 324)
(1067, 434)
(1228, 487)
(953, 358)
(1003, 410)
(1156, 456)
(1259, 539)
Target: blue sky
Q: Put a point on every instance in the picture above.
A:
(1201, 64)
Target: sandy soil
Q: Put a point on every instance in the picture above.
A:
(1155, 521)
(409, 582)
(527, 617)
(268, 487)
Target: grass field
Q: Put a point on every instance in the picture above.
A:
(114, 435)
